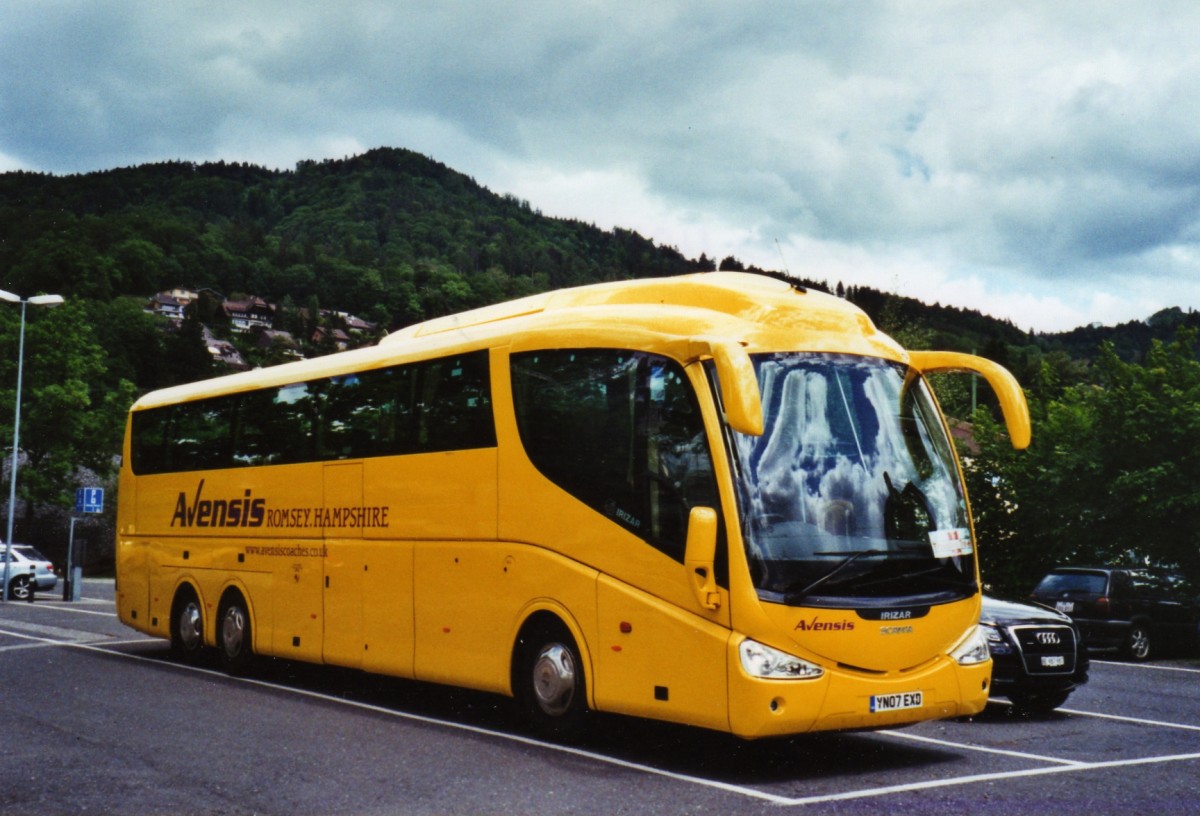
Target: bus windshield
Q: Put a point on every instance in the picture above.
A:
(851, 496)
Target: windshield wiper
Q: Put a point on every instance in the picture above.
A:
(964, 584)
(792, 597)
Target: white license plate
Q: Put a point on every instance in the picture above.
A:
(1053, 661)
(895, 702)
(1065, 606)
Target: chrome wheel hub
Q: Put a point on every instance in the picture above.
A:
(233, 631)
(554, 679)
(189, 626)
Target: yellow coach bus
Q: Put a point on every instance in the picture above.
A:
(717, 499)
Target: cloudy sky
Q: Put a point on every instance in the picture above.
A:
(1039, 161)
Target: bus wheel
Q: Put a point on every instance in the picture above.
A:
(187, 626)
(549, 683)
(233, 634)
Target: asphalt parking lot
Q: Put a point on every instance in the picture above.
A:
(97, 719)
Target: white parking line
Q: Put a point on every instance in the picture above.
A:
(1151, 666)
(966, 746)
(65, 606)
(69, 635)
(1134, 720)
(16, 647)
(1062, 766)
(989, 777)
(41, 637)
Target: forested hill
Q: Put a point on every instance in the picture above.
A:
(390, 235)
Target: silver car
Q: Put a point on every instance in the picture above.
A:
(27, 571)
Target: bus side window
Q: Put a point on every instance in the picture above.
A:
(349, 408)
(149, 440)
(678, 460)
(201, 433)
(622, 432)
(368, 421)
(253, 443)
(455, 408)
(289, 423)
(432, 406)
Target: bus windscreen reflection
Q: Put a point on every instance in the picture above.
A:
(852, 491)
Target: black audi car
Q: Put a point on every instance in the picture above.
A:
(1038, 658)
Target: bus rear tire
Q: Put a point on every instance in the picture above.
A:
(187, 626)
(234, 641)
(549, 680)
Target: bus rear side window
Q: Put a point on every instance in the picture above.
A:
(431, 406)
(188, 436)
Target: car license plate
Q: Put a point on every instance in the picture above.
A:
(895, 702)
(1053, 661)
(1065, 606)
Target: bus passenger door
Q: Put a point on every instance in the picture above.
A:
(345, 565)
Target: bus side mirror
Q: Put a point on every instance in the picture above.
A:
(739, 384)
(1012, 398)
(700, 555)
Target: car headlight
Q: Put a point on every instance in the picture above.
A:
(760, 660)
(973, 649)
(997, 645)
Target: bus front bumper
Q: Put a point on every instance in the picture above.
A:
(844, 699)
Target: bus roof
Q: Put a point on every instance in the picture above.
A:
(748, 298)
(760, 312)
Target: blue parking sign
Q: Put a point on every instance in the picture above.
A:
(89, 500)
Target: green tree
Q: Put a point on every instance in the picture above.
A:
(954, 391)
(1109, 477)
(1148, 418)
(137, 265)
(68, 419)
(1033, 507)
(133, 342)
(188, 354)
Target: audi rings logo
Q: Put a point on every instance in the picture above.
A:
(1049, 638)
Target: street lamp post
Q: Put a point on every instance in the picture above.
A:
(37, 300)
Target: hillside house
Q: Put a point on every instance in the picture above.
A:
(248, 314)
(224, 352)
(164, 304)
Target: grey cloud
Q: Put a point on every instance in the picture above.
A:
(1046, 139)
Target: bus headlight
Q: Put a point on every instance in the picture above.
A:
(973, 649)
(762, 661)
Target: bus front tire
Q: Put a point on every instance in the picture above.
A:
(234, 643)
(187, 627)
(549, 683)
